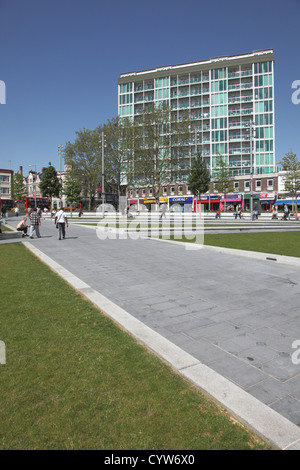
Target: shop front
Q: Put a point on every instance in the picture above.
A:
(267, 201)
(256, 202)
(148, 204)
(210, 203)
(181, 203)
(233, 202)
(133, 204)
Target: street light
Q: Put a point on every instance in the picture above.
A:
(60, 147)
(252, 136)
(103, 144)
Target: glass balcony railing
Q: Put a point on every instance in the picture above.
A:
(236, 112)
(240, 86)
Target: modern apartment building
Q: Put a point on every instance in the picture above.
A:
(223, 96)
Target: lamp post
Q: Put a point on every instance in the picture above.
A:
(252, 136)
(103, 145)
(60, 147)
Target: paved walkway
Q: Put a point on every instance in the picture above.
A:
(227, 323)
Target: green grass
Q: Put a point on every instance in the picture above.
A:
(5, 229)
(279, 243)
(74, 380)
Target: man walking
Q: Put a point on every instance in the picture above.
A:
(35, 222)
(61, 222)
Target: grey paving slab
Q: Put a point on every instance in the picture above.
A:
(235, 316)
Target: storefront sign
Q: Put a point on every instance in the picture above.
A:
(232, 197)
(185, 200)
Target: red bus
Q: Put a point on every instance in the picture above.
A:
(41, 202)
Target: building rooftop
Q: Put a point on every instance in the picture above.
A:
(214, 62)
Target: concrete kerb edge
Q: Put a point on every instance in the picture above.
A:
(264, 421)
(270, 257)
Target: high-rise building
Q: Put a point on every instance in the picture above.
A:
(223, 96)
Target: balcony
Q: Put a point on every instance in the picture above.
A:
(240, 86)
(240, 99)
(239, 150)
(237, 112)
(240, 73)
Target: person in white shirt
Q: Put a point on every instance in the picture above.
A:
(61, 221)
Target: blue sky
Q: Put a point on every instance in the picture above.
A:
(61, 59)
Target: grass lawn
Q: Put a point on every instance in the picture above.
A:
(5, 229)
(74, 380)
(279, 243)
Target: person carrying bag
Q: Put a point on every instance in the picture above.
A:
(61, 221)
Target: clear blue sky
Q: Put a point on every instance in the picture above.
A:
(61, 59)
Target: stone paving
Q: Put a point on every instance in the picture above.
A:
(238, 316)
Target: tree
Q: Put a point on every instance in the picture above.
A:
(83, 157)
(155, 160)
(119, 135)
(199, 177)
(223, 181)
(18, 189)
(291, 165)
(72, 188)
(50, 185)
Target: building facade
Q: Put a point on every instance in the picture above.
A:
(5, 183)
(223, 96)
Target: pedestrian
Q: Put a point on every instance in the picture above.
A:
(163, 211)
(35, 223)
(218, 214)
(61, 221)
(16, 211)
(22, 226)
(275, 213)
(286, 212)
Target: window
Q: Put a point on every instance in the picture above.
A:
(270, 183)
(126, 88)
(218, 73)
(4, 190)
(150, 191)
(143, 192)
(4, 179)
(165, 190)
(258, 184)
(236, 185)
(162, 82)
(247, 185)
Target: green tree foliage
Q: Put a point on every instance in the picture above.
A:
(72, 188)
(291, 165)
(199, 177)
(50, 185)
(158, 140)
(83, 157)
(18, 189)
(223, 178)
(117, 137)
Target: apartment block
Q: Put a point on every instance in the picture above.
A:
(223, 95)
